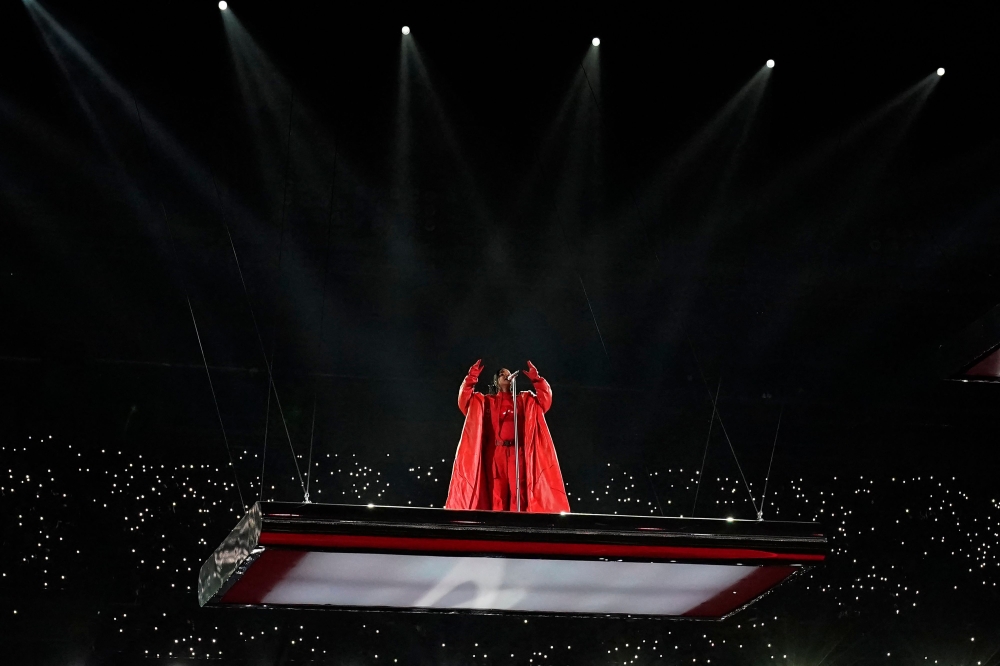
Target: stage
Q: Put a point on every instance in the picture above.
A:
(401, 558)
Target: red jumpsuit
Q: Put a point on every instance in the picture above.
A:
(502, 468)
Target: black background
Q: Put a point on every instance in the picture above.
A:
(610, 213)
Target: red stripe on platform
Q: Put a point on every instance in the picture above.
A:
(742, 592)
(270, 569)
(448, 546)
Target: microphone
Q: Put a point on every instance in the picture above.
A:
(512, 375)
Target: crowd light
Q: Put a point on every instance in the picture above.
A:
(940, 71)
(770, 64)
(223, 5)
(596, 41)
(406, 29)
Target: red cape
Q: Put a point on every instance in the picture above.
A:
(468, 489)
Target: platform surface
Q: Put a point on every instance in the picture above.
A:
(374, 557)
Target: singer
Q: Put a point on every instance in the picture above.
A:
(506, 460)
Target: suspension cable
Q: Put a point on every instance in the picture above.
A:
(187, 297)
(722, 425)
(256, 327)
(566, 244)
(586, 296)
(267, 423)
(593, 316)
(635, 201)
(704, 456)
(216, 401)
(736, 458)
(312, 431)
(322, 309)
(760, 514)
(274, 328)
(253, 318)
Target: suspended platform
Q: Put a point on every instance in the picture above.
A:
(400, 558)
(974, 354)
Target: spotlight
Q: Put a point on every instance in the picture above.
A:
(406, 29)
(223, 5)
(940, 71)
(770, 64)
(596, 41)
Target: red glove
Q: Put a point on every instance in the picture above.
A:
(532, 372)
(475, 370)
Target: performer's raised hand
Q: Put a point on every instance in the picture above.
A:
(532, 372)
(468, 386)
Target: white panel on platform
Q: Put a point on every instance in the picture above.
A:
(511, 584)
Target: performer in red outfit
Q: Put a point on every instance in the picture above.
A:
(486, 465)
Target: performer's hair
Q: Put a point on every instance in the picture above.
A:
(494, 387)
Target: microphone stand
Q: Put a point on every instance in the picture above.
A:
(517, 457)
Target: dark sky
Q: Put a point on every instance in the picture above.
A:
(646, 220)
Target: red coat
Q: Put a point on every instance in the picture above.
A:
(468, 489)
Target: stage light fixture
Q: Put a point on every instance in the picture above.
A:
(406, 29)
(223, 5)
(596, 41)
(770, 64)
(940, 71)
